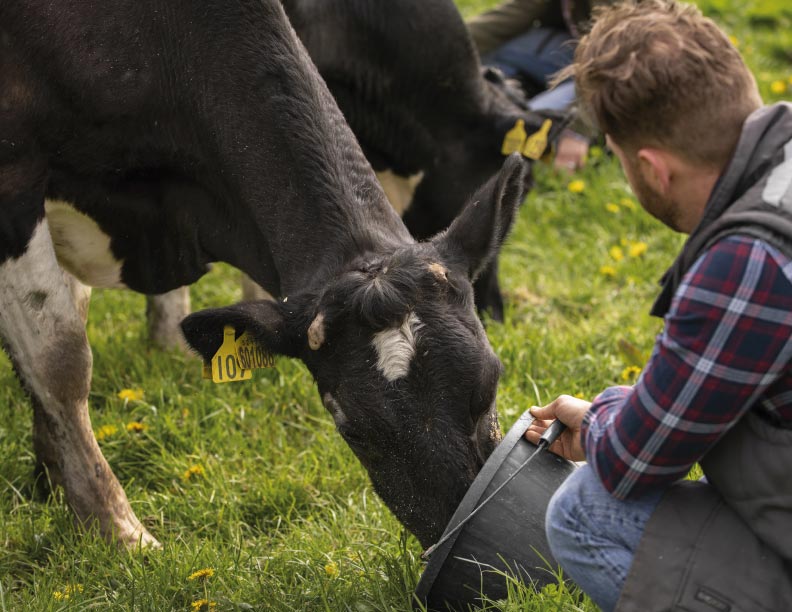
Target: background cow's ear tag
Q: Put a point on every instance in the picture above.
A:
(251, 355)
(225, 366)
(536, 143)
(514, 139)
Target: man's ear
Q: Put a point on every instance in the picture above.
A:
(656, 169)
(266, 321)
(478, 232)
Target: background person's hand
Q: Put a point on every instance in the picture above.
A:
(571, 151)
(569, 410)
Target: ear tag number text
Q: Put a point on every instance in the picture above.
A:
(225, 365)
(251, 355)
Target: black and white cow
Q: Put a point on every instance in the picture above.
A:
(165, 135)
(429, 118)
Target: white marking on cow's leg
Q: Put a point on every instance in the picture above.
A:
(81, 246)
(399, 189)
(80, 293)
(46, 340)
(252, 291)
(164, 312)
(396, 347)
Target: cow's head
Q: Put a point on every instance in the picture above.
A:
(401, 360)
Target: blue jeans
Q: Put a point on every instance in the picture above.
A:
(593, 536)
(535, 57)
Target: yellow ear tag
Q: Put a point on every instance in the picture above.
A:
(251, 355)
(225, 366)
(537, 142)
(514, 139)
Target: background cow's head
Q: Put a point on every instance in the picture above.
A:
(401, 360)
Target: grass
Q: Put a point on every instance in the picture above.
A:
(251, 480)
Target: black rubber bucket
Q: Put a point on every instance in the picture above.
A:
(506, 537)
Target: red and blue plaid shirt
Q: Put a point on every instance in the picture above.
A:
(726, 348)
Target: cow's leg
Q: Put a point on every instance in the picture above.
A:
(164, 312)
(44, 447)
(487, 293)
(44, 335)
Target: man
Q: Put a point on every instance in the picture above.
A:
(682, 112)
(531, 40)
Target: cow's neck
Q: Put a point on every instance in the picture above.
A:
(285, 152)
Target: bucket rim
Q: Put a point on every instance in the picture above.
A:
(470, 501)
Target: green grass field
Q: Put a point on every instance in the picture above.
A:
(251, 484)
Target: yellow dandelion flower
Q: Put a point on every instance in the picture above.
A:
(105, 431)
(778, 87)
(608, 271)
(576, 186)
(616, 253)
(136, 427)
(733, 40)
(131, 395)
(201, 574)
(630, 373)
(202, 605)
(331, 569)
(67, 592)
(612, 208)
(628, 203)
(193, 470)
(637, 249)
(580, 395)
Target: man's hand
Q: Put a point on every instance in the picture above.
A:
(569, 410)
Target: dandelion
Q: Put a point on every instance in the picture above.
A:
(131, 395)
(616, 253)
(628, 203)
(778, 87)
(733, 40)
(608, 271)
(331, 569)
(105, 431)
(193, 470)
(612, 208)
(67, 592)
(576, 186)
(136, 427)
(595, 152)
(201, 574)
(637, 249)
(202, 605)
(630, 373)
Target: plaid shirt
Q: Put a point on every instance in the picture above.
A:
(725, 349)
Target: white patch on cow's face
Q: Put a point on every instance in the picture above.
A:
(396, 348)
(399, 189)
(81, 246)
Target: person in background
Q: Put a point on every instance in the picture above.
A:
(530, 41)
(683, 114)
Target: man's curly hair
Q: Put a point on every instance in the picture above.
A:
(659, 73)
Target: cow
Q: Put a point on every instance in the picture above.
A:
(141, 140)
(430, 119)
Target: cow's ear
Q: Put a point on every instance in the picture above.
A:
(476, 235)
(268, 322)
